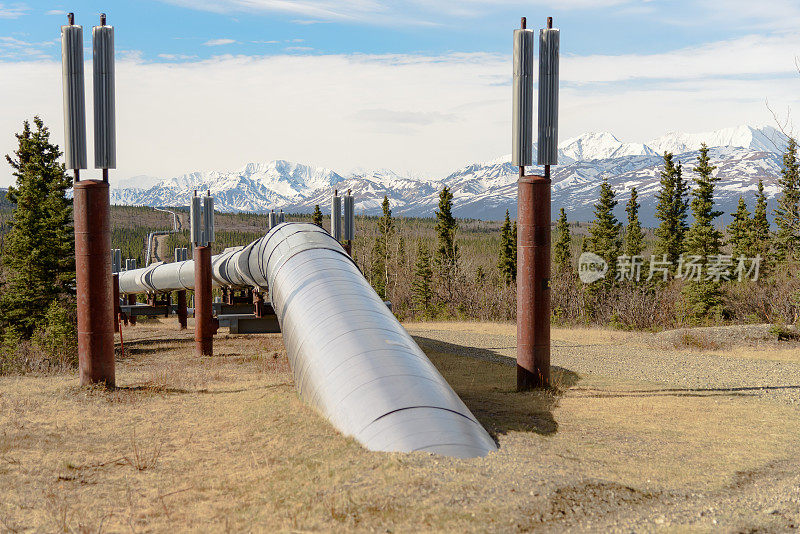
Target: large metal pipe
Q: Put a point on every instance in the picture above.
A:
(94, 282)
(350, 357)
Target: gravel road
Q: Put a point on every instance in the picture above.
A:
(575, 496)
(641, 360)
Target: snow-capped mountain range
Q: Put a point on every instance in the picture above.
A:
(742, 154)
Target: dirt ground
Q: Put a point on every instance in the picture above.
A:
(639, 437)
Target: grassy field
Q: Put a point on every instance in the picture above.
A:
(224, 444)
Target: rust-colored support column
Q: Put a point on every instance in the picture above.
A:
(182, 312)
(117, 310)
(533, 281)
(132, 301)
(203, 327)
(258, 304)
(94, 283)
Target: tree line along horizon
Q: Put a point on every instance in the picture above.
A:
(442, 267)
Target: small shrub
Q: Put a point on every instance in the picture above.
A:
(694, 340)
(53, 348)
(784, 333)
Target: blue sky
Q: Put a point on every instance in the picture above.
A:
(186, 30)
(418, 86)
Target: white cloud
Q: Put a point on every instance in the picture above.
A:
(177, 57)
(745, 56)
(55, 12)
(407, 112)
(17, 49)
(219, 42)
(12, 11)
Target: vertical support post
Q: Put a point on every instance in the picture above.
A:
(117, 310)
(203, 329)
(349, 223)
(533, 281)
(131, 301)
(182, 311)
(533, 202)
(258, 304)
(94, 282)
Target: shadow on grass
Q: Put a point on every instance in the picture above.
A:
(158, 388)
(141, 347)
(486, 382)
(742, 391)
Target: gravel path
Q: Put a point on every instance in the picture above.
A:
(693, 371)
(577, 497)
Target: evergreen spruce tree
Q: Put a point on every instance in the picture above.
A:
(562, 255)
(604, 232)
(703, 238)
(39, 254)
(585, 243)
(381, 251)
(672, 211)
(703, 297)
(787, 213)
(317, 216)
(634, 237)
(761, 234)
(740, 231)
(508, 270)
(446, 258)
(422, 286)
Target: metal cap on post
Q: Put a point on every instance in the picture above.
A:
(105, 145)
(74, 97)
(549, 40)
(208, 219)
(195, 221)
(522, 112)
(349, 218)
(336, 216)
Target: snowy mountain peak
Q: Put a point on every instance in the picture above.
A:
(599, 145)
(743, 156)
(763, 139)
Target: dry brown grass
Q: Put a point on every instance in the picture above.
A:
(224, 444)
